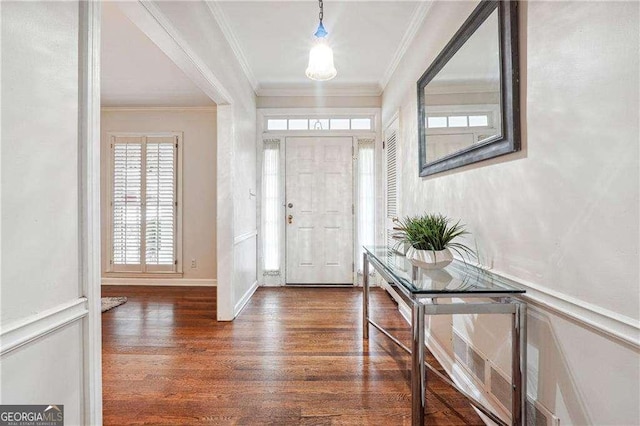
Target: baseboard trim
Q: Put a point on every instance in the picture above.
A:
(243, 301)
(186, 282)
(619, 327)
(21, 332)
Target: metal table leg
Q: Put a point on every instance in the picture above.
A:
(365, 296)
(418, 372)
(519, 365)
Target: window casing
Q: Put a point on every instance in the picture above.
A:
(145, 204)
(326, 123)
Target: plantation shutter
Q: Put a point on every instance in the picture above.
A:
(144, 204)
(160, 204)
(127, 204)
(391, 143)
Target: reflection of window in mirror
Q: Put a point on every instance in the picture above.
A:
(462, 102)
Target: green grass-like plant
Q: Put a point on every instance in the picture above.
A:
(433, 232)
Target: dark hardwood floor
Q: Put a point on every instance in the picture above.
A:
(294, 356)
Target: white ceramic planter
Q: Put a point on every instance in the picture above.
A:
(428, 259)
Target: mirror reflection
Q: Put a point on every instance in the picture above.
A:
(463, 101)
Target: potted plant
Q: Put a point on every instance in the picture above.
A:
(431, 240)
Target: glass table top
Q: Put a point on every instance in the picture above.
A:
(456, 278)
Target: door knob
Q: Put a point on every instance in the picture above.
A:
(290, 218)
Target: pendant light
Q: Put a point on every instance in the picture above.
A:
(321, 66)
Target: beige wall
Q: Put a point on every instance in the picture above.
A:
(562, 216)
(198, 178)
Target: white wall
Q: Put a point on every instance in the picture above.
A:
(199, 184)
(193, 24)
(318, 101)
(562, 215)
(40, 207)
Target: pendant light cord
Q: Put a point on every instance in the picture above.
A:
(321, 14)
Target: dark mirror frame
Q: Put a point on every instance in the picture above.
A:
(509, 140)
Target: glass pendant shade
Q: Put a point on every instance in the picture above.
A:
(321, 66)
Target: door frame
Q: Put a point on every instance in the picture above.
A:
(151, 21)
(278, 278)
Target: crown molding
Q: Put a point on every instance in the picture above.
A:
(211, 108)
(407, 39)
(220, 17)
(322, 89)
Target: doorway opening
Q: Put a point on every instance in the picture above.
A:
(317, 174)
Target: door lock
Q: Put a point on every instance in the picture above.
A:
(290, 219)
(290, 205)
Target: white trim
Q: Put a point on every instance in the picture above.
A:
(89, 213)
(229, 35)
(148, 17)
(242, 237)
(409, 35)
(245, 299)
(178, 229)
(158, 109)
(612, 324)
(194, 282)
(23, 331)
(623, 329)
(313, 90)
(393, 121)
(620, 328)
(262, 115)
(225, 219)
(461, 378)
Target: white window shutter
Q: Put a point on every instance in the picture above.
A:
(144, 204)
(160, 202)
(391, 144)
(127, 203)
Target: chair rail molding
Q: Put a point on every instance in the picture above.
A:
(23, 331)
(244, 236)
(619, 327)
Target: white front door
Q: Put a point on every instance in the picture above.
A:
(319, 210)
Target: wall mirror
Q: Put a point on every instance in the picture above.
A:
(468, 103)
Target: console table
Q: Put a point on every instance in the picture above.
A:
(481, 293)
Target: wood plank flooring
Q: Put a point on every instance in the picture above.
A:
(295, 356)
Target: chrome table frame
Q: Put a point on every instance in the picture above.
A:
(426, 304)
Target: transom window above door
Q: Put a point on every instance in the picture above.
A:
(319, 123)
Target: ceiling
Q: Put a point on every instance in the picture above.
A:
(135, 72)
(274, 38)
(271, 40)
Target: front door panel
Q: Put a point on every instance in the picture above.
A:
(319, 198)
